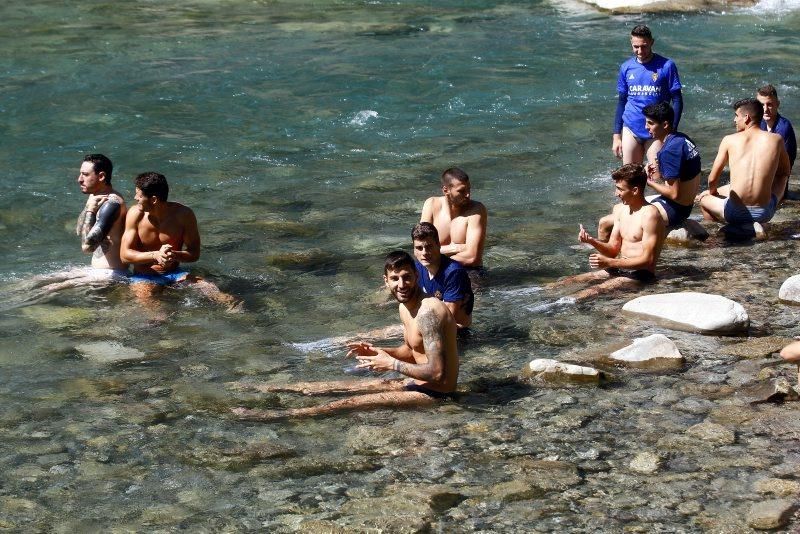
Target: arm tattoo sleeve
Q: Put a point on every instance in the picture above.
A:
(94, 231)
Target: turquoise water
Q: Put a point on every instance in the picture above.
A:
(306, 135)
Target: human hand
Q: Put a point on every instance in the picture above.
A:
(583, 235)
(94, 202)
(381, 362)
(616, 146)
(361, 348)
(598, 261)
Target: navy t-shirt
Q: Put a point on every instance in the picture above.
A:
(783, 127)
(451, 283)
(679, 158)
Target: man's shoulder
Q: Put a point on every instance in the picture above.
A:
(432, 305)
(179, 210)
(476, 209)
(114, 196)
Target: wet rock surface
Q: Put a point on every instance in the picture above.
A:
(652, 352)
(558, 372)
(769, 515)
(691, 311)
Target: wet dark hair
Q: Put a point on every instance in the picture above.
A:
(153, 184)
(632, 174)
(752, 107)
(768, 90)
(423, 231)
(641, 30)
(398, 259)
(452, 174)
(660, 112)
(100, 163)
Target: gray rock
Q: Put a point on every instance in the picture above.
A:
(712, 432)
(776, 390)
(757, 347)
(109, 352)
(777, 486)
(790, 290)
(690, 230)
(770, 515)
(691, 312)
(558, 372)
(651, 352)
(646, 463)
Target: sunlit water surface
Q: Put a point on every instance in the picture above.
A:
(306, 135)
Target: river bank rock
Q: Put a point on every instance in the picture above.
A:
(660, 6)
(777, 486)
(769, 515)
(790, 290)
(109, 352)
(689, 230)
(690, 311)
(712, 433)
(558, 372)
(651, 352)
(775, 390)
(757, 347)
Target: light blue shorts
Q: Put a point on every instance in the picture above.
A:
(166, 279)
(736, 213)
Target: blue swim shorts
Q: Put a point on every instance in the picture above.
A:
(676, 213)
(736, 213)
(166, 279)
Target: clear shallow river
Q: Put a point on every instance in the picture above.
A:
(306, 135)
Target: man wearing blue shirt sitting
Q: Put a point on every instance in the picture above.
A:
(675, 173)
(441, 277)
(776, 123)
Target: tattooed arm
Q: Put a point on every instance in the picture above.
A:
(96, 227)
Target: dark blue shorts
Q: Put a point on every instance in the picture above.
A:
(411, 386)
(676, 213)
(166, 279)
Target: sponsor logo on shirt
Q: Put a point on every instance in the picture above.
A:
(642, 90)
(654, 76)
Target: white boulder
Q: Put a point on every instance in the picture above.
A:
(556, 371)
(651, 352)
(655, 6)
(109, 352)
(689, 230)
(790, 289)
(691, 312)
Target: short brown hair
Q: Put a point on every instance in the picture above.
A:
(398, 259)
(642, 31)
(768, 90)
(632, 174)
(454, 173)
(752, 107)
(423, 231)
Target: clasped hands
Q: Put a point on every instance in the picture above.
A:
(370, 357)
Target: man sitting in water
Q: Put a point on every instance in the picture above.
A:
(774, 122)
(759, 169)
(428, 357)
(675, 173)
(441, 277)
(460, 221)
(629, 257)
(159, 236)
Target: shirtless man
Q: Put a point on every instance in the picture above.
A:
(428, 357)
(629, 257)
(159, 236)
(759, 169)
(460, 221)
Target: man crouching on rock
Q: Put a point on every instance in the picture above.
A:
(428, 357)
(630, 256)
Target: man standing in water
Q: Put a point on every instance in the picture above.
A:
(774, 122)
(440, 276)
(646, 78)
(159, 236)
(629, 257)
(460, 221)
(759, 169)
(101, 222)
(427, 356)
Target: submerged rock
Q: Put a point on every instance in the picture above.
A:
(691, 311)
(690, 230)
(645, 463)
(713, 433)
(770, 515)
(776, 390)
(555, 371)
(790, 290)
(651, 352)
(777, 486)
(109, 352)
(757, 347)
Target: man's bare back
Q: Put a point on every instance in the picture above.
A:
(753, 157)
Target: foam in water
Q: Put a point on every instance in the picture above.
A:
(770, 7)
(547, 306)
(362, 117)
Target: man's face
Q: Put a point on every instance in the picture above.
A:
(89, 180)
(656, 129)
(770, 106)
(457, 193)
(427, 252)
(642, 48)
(740, 119)
(623, 192)
(143, 201)
(402, 284)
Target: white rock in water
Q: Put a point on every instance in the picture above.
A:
(651, 352)
(691, 311)
(790, 289)
(556, 371)
(650, 6)
(109, 352)
(688, 231)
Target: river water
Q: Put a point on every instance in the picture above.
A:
(306, 135)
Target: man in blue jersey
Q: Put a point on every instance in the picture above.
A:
(777, 123)
(675, 173)
(441, 277)
(646, 78)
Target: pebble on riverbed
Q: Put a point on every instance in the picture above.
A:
(790, 290)
(652, 352)
(558, 372)
(769, 515)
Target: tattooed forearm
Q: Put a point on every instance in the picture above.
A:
(89, 218)
(431, 334)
